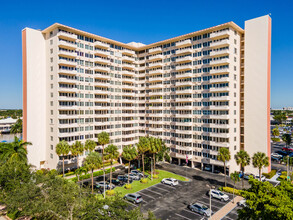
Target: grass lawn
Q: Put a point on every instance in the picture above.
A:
(137, 185)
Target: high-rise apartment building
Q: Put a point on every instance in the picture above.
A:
(198, 92)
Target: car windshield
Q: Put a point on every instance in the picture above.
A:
(138, 197)
(204, 207)
(221, 193)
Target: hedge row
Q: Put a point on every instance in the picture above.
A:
(89, 175)
(276, 139)
(230, 190)
(270, 174)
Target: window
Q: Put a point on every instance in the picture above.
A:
(51, 42)
(234, 138)
(51, 129)
(51, 120)
(51, 59)
(234, 103)
(51, 33)
(51, 103)
(235, 50)
(51, 51)
(235, 77)
(235, 41)
(51, 68)
(51, 112)
(235, 147)
(51, 94)
(51, 147)
(51, 156)
(51, 77)
(51, 138)
(234, 68)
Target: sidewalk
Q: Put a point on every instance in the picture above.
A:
(107, 167)
(226, 209)
(274, 178)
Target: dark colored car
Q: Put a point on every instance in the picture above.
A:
(283, 153)
(116, 182)
(124, 179)
(289, 149)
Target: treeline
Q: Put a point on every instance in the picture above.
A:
(13, 113)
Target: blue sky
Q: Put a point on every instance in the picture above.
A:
(146, 22)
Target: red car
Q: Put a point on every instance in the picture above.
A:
(287, 149)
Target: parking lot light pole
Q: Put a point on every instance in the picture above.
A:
(211, 187)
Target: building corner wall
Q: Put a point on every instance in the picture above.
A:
(257, 72)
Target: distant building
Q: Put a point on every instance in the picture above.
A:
(5, 125)
(288, 108)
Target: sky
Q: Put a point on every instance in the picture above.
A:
(146, 22)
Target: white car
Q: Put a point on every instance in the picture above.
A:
(219, 195)
(263, 178)
(276, 155)
(170, 181)
(242, 203)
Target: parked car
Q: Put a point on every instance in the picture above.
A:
(136, 172)
(263, 178)
(116, 182)
(170, 181)
(287, 149)
(101, 185)
(218, 195)
(124, 179)
(208, 168)
(133, 197)
(247, 175)
(276, 155)
(283, 153)
(242, 203)
(200, 208)
(133, 176)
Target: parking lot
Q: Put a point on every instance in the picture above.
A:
(168, 202)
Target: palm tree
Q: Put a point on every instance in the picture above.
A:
(90, 145)
(17, 127)
(129, 153)
(242, 158)
(62, 148)
(111, 153)
(224, 156)
(77, 149)
(103, 139)
(287, 139)
(143, 146)
(91, 162)
(15, 150)
(155, 147)
(235, 178)
(260, 160)
(78, 172)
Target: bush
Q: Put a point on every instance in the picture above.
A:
(144, 181)
(230, 190)
(276, 139)
(128, 186)
(282, 177)
(156, 172)
(270, 174)
(110, 193)
(69, 174)
(155, 176)
(284, 173)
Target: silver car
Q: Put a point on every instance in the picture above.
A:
(219, 195)
(200, 208)
(133, 197)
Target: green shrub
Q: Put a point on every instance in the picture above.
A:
(144, 181)
(128, 186)
(282, 177)
(276, 139)
(230, 190)
(155, 176)
(69, 174)
(284, 173)
(157, 172)
(270, 174)
(14, 215)
(110, 193)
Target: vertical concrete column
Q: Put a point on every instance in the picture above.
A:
(213, 168)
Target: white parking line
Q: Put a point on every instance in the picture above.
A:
(131, 203)
(146, 195)
(161, 189)
(153, 192)
(168, 185)
(182, 216)
(215, 200)
(186, 210)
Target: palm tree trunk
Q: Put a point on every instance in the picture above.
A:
(128, 172)
(233, 191)
(143, 164)
(63, 166)
(104, 172)
(92, 181)
(154, 156)
(111, 176)
(242, 177)
(225, 173)
(259, 174)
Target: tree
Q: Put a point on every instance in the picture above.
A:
(62, 149)
(287, 139)
(129, 153)
(17, 127)
(224, 156)
(91, 162)
(90, 145)
(111, 153)
(81, 170)
(242, 158)
(289, 162)
(279, 117)
(103, 139)
(155, 147)
(276, 131)
(164, 153)
(15, 150)
(264, 201)
(77, 149)
(260, 160)
(143, 146)
(235, 178)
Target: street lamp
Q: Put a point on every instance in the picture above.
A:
(211, 187)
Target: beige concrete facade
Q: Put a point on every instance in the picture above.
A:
(187, 90)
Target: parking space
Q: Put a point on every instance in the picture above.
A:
(232, 215)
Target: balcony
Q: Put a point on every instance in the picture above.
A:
(184, 91)
(156, 79)
(184, 83)
(156, 57)
(67, 71)
(67, 45)
(69, 54)
(184, 51)
(156, 100)
(102, 68)
(184, 43)
(219, 89)
(221, 43)
(219, 80)
(128, 52)
(102, 92)
(68, 125)
(155, 65)
(183, 67)
(216, 53)
(157, 71)
(181, 156)
(220, 34)
(67, 89)
(66, 98)
(67, 80)
(102, 45)
(184, 75)
(218, 107)
(128, 73)
(128, 66)
(102, 99)
(66, 35)
(189, 99)
(67, 107)
(67, 62)
(220, 98)
(186, 59)
(184, 107)
(155, 50)
(128, 59)
(156, 86)
(220, 62)
(101, 60)
(219, 71)
(102, 53)
(101, 76)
